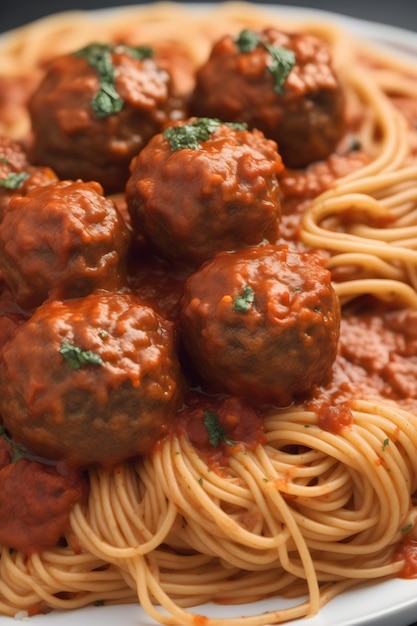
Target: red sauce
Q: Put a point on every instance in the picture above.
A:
(157, 283)
(242, 427)
(378, 356)
(5, 453)
(407, 552)
(332, 415)
(14, 92)
(8, 325)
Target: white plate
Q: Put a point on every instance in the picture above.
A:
(388, 603)
(391, 603)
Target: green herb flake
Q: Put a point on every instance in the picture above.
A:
(215, 431)
(107, 101)
(355, 144)
(243, 302)
(385, 444)
(99, 56)
(14, 180)
(77, 357)
(136, 52)
(406, 529)
(192, 134)
(247, 40)
(282, 59)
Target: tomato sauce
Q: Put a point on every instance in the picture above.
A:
(156, 282)
(378, 356)
(5, 453)
(407, 552)
(14, 92)
(220, 427)
(332, 415)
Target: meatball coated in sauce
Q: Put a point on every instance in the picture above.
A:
(17, 174)
(75, 136)
(221, 193)
(176, 58)
(62, 241)
(262, 323)
(90, 381)
(304, 115)
(36, 500)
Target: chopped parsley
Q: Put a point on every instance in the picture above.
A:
(243, 302)
(282, 59)
(192, 134)
(406, 529)
(355, 144)
(215, 430)
(247, 40)
(14, 180)
(77, 357)
(107, 101)
(140, 53)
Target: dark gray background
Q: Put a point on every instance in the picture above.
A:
(401, 13)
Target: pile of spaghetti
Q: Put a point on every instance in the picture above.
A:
(314, 510)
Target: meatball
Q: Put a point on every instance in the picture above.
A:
(36, 500)
(63, 240)
(90, 381)
(96, 108)
(281, 83)
(202, 187)
(177, 59)
(261, 323)
(17, 174)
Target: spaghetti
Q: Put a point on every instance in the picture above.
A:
(312, 511)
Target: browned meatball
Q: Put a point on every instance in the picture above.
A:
(281, 83)
(262, 323)
(36, 500)
(179, 62)
(203, 186)
(93, 380)
(17, 174)
(63, 240)
(96, 108)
